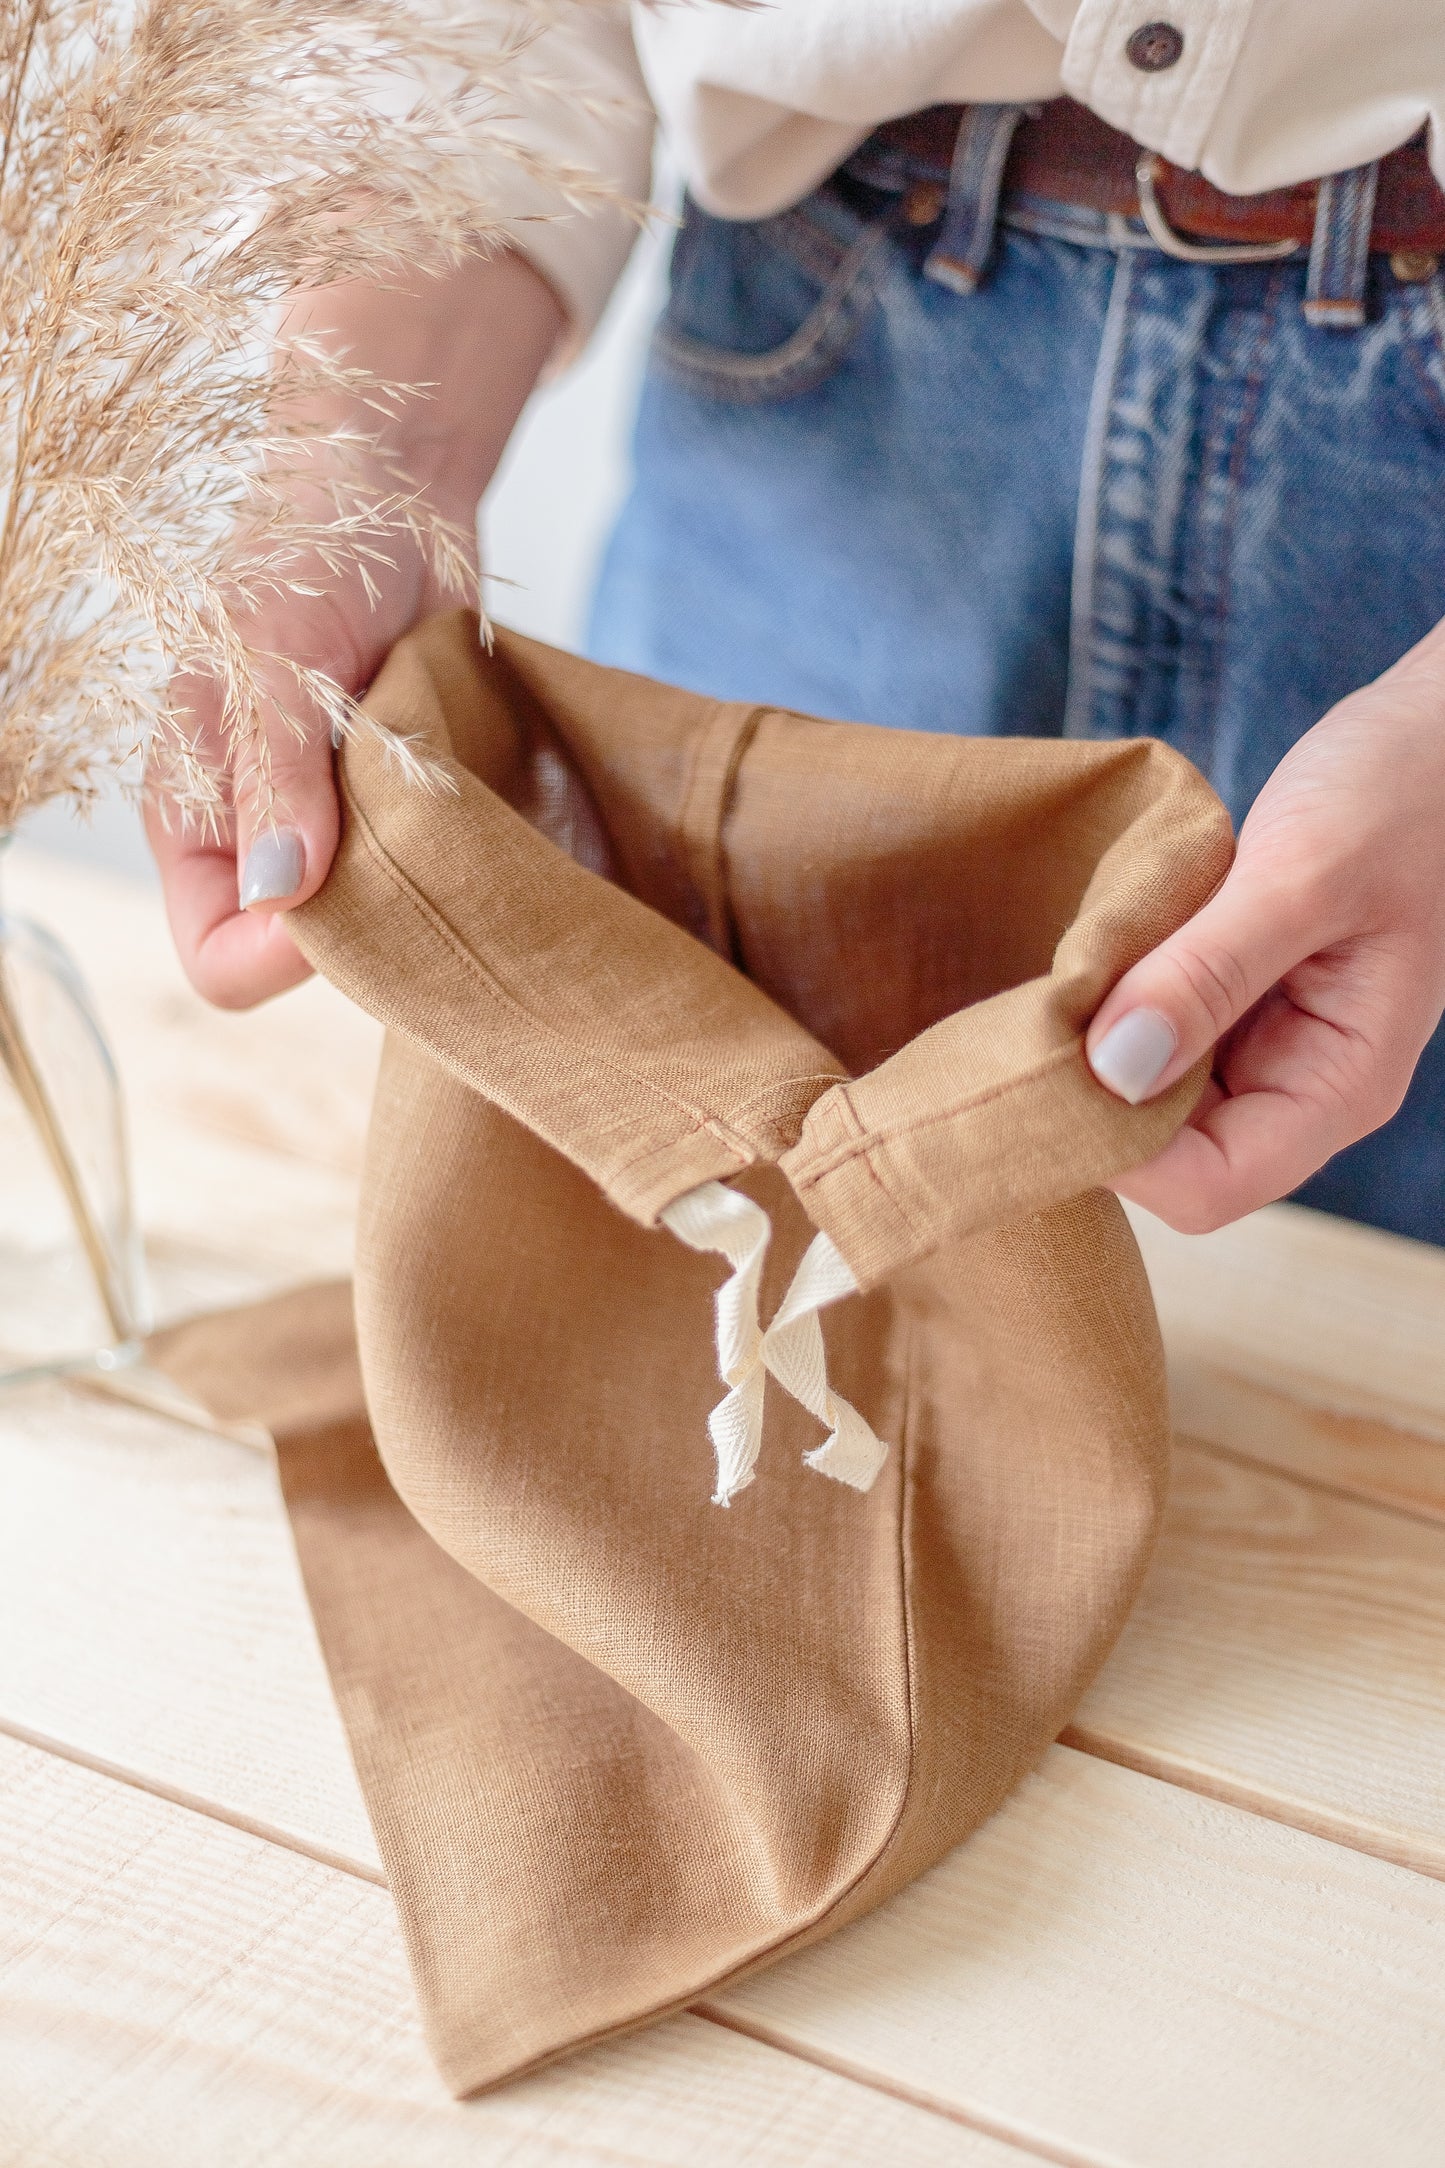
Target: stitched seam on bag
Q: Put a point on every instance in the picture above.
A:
(767, 1953)
(727, 796)
(905, 1602)
(905, 1592)
(861, 1145)
(701, 825)
(893, 1194)
(447, 935)
(768, 1093)
(695, 845)
(868, 1143)
(885, 1843)
(742, 1153)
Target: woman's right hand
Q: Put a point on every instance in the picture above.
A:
(479, 338)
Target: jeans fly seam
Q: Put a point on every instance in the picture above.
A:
(1079, 690)
(1427, 301)
(1254, 377)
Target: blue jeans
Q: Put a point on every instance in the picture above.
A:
(1109, 494)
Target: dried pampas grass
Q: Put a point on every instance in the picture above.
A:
(171, 173)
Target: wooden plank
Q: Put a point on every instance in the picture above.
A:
(174, 1994)
(1285, 1653)
(1119, 1971)
(1358, 1455)
(1318, 1310)
(152, 1618)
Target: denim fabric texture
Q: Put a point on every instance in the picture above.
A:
(1108, 494)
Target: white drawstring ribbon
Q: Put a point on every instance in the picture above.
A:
(714, 1217)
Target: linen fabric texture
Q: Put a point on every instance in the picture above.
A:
(1108, 495)
(620, 1745)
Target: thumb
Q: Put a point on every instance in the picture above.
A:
(1186, 994)
(287, 817)
(227, 892)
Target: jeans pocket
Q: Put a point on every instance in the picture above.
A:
(764, 309)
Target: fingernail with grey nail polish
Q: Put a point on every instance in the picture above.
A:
(273, 869)
(1134, 1053)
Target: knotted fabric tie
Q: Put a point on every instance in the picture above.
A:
(714, 1217)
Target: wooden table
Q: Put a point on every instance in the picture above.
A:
(1210, 1929)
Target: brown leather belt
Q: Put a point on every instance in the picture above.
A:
(1067, 154)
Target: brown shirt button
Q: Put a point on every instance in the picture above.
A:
(1155, 46)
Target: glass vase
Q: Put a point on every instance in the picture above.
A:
(72, 1279)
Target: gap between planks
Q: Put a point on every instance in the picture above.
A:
(1352, 1832)
(871, 2081)
(176, 1994)
(911, 2096)
(176, 1795)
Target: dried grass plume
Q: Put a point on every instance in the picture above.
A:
(171, 171)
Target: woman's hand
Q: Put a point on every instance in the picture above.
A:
(1318, 970)
(479, 339)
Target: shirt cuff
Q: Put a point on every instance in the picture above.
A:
(583, 111)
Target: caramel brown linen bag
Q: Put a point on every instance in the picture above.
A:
(619, 1744)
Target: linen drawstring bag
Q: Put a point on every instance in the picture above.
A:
(767, 1428)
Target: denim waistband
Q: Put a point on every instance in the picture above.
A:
(893, 172)
(975, 199)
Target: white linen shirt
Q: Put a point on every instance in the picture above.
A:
(758, 103)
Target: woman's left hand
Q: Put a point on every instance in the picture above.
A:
(1317, 972)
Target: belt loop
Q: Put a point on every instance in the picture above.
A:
(1340, 248)
(960, 255)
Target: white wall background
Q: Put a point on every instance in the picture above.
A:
(544, 521)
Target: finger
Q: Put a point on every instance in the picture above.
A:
(227, 893)
(1242, 1153)
(1297, 1088)
(1186, 994)
(227, 919)
(287, 818)
(234, 958)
